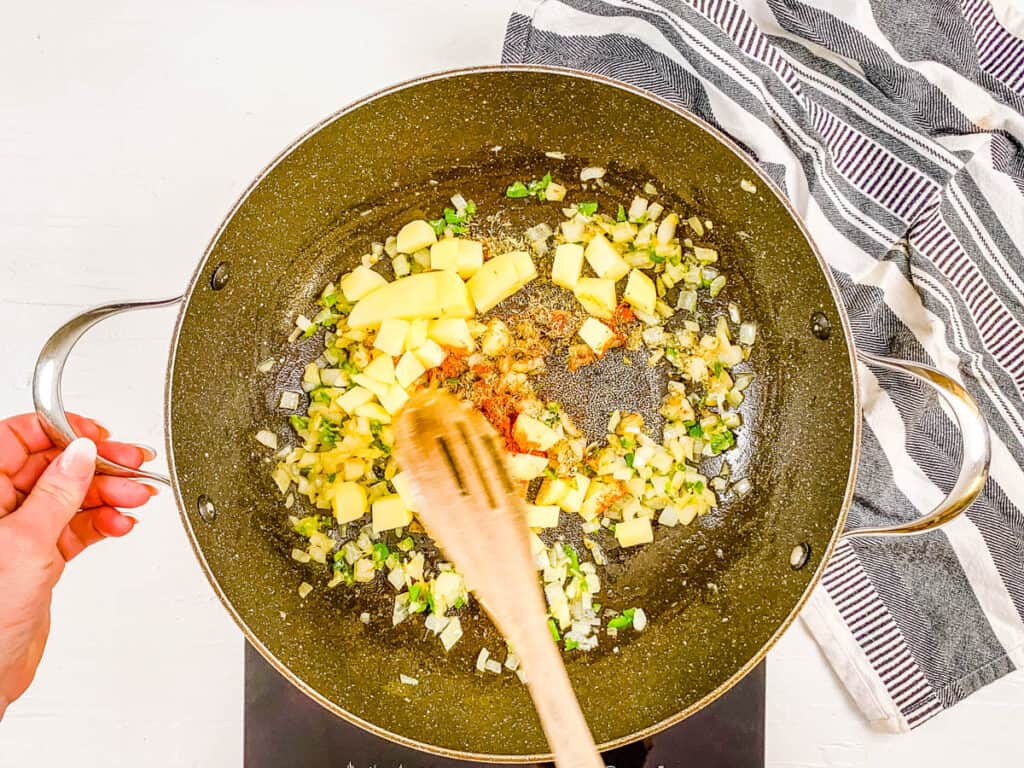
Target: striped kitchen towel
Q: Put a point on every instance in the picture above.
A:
(896, 128)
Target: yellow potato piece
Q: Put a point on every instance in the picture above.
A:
(352, 399)
(568, 264)
(382, 368)
(394, 398)
(499, 278)
(631, 533)
(526, 466)
(542, 516)
(572, 501)
(389, 512)
(534, 433)
(416, 235)
(391, 336)
(348, 500)
(429, 353)
(453, 333)
(596, 334)
(409, 369)
(597, 296)
(605, 260)
(361, 282)
(640, 292)
(444, 254)
(470, 258)
(403, 488)
(378, 388)
(417, 334)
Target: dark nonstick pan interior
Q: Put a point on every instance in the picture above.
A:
(716, 592)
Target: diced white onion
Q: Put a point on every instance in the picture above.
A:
(591, 172)
(364, 617)
(267, 438)
(481, 659)
(741, 487)
(406, 680)
(459, 202)
(493, 666)
(555, 155)
(303, 323)
(267, 365)
(304, 589)
(541, 231)
(639, 620)
(289, 400)
(748, 332)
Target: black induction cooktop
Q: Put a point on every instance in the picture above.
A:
(283, 728)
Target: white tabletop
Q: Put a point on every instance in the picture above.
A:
(127, 130)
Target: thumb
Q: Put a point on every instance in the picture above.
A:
(58, 493)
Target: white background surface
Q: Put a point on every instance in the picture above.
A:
(127, 130)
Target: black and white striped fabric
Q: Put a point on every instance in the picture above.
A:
(896, 129)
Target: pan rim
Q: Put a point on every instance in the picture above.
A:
(844, 321)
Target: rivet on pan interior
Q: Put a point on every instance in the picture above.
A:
(799, 556)
(820, 326)
(219, 278)
(206, 509)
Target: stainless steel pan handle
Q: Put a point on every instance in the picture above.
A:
(46, 380)
(977, 448)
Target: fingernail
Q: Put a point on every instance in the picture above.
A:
(149, 453)
(153, 490)
(79, 459)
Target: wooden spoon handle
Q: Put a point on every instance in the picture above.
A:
(560, 715)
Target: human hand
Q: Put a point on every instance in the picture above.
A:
(49, 512)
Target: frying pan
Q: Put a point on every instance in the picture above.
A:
(718, 593)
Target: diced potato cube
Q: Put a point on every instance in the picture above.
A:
(409, 369)
(375, 412)
(596, 334)
(599, 497)
(444, 254)
(391, 336)
(361, 282)
(572, 501)
(640, 292)
(352, 399)
(597, 296)
(533, 433)
(568, 264)
(348, 500)
(403, 488)
(382, 369)
(452, 332)
(416, 235)
(545, 516)
(526, 466)
(394, 398)
(605, 260)
(417, 333)
(379, 388)
(470, 258)
(389, 512)
(430, 354)
(500, 277)
(630, 533)
(552, 491)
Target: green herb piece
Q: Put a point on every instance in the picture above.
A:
(722, 441)
(694, 430)
(331, 476)
(321, 395)
(570, 644)
(623, 620)
(414, 592)
(629, 457)
(307, 526)
(538, 187)
(675, 259)
(653, 256)
(310, 331)
(459, 602)
(430, 601)
(627, 442)
(574, 559)
(587, 209)
(438, 226)
(328, 300)
(349, 367)
(329, 435)
(517, 189)
(620, 215)
(299, 423)
(695, 487)
(549, 472)
(375, 427)
(716, 367)
(406, 544)
(379, 554)
(553, 629)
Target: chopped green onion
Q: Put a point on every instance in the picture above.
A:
(406, 544)
(587, 209)
(517, 189)
(299, 423)
(621, 214)
(553, 628)
(629, 457)
(570, 644)
(623, 620)
(695, 430)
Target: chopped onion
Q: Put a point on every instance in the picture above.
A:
(289, 400)
(650, 189)
(747, 186)
(493, 666)
(481, 659)
(511, 662)
(300, 555)
(267, 438)
(539, 232)
(459, 202)
(303, 323)
(451, 634)
(748, 332)
(637, 208)
(267, 365)
(332, 377)
(304, 589)
(742, 381)
(734, 313)
(406, 680)
(364, 617)
(741, 487)
(555, 155)
(687, 300)
(391, 246)
(591, 172)
(716, 286)
(639, 620)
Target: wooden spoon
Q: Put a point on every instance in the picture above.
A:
(468, 504)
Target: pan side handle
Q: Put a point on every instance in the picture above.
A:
(977, 447)
(49, 370)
